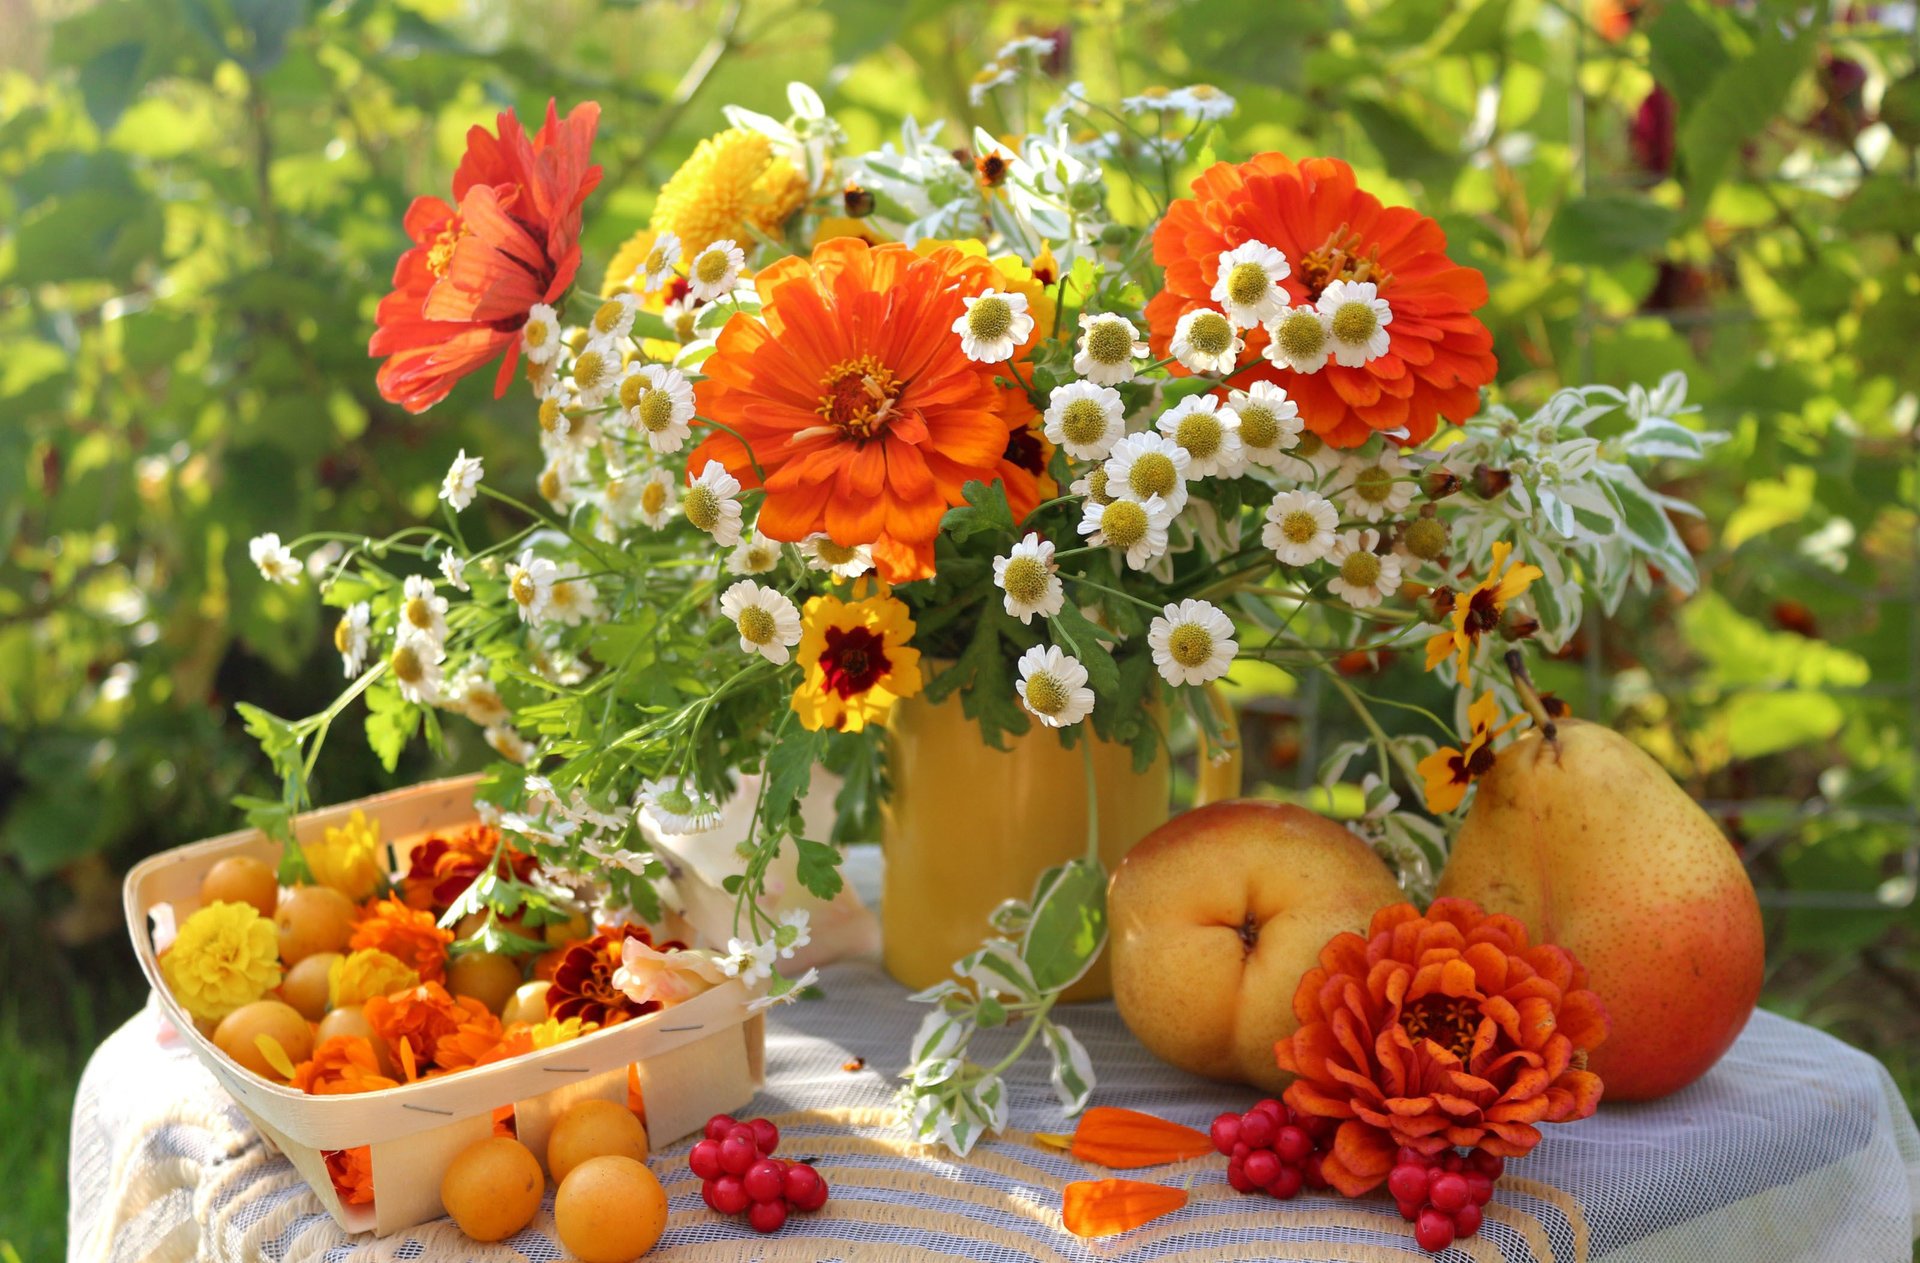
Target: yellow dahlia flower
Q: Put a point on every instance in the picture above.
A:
(856, 660)
(348, 858)
(369, 972)
(224, 955)
(732, 180)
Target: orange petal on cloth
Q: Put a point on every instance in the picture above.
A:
(1125, 1139)
(1105, 1208)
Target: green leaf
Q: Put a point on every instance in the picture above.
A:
(1084, 637)
(391, 722)
(1609, 228)
(790, 764)
(1740, 101)
(1686, 51)
(985, 510)
(1069, 924)
(819, 868)
(1900, 109)
(1072, 1072)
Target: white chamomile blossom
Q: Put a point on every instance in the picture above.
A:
(540, 336)
(1139, 527)
(274, 560)
(1204, 101)
(1053, 686)
(1374, 487)
(1365, 577)
(657, 268)
(1208, 433)
(749, 962)
(993, 75)
(530, 584)
(756, 554)
(709, 504)
(679, 316)
(1108, 346)
(1298, 338)
(1300, 527)
(715, 271)
(794, 987)
(794, 932)
(1092, 486)
(1154, 100)
(353, 637)
(1270, 423)
(1357, 320)
(596, 373)
(657, 400)
(676, 809)
(612, 321)
(1027, 576)
(1311, 460)
(1249, 286)
(1014, 49)
(653, 501)
(574, 600)
(1205, 342)
(470, 692)
(508, 743)
(423, 613)
(767, 621)
(1192, 642)
(1150, 464)
(322, 559)
(415, 667)
(993, 324)
(844, 561)
(453, 567)
(1085, 419)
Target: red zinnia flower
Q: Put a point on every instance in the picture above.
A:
(1313, 211)
(512, 239)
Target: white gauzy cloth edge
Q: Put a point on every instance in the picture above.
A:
(1795, 1147)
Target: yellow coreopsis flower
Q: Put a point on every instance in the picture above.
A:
(1448, 772)
(369, 972)
(224, 955)
(557, 1030)
(1478, 612)
(732, 181)
(857, 662)
(348, 858)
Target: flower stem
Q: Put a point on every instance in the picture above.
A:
(1530, 696)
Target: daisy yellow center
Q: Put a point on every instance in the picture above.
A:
(683, 325)
(1108, 342)
(756, 625)
(607, 317)
(1200, 433)
(1045, 693)
(1373, 484)
(656, 261)
(343, 635)
(1025, 580)
(711, 267)
(653, 498)
(1190, 644)
(590, 369)
(835, 554)
(1153, 474)
(1355, 322)
(536, 333)
(406, 665)
(1247, 284)
(760, 557)
(990, 319)
(419, 612)
(1083, 421)
(549, 414)
(656, 410)
(1210, 333)
(1259, 428)
(701, 506)
(1299, 526)
(1097, 486)
(550, 485)
(522, 588)
(858, 397)
(1427, 538)
(1202, 91)
(1309, 444)
(1124, 523)
(1301, 335)
(1360, 570)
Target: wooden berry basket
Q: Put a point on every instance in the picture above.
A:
(698, 1058)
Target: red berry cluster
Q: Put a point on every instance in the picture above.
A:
(1271, 1149)
(1442, 1195)
(738, 1172)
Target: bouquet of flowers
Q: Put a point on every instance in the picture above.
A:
(1007, 422)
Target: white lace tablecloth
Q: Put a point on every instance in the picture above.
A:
(1795, 1147)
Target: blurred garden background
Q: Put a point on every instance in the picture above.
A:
(200, 204)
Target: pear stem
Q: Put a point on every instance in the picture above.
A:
(1529, 695)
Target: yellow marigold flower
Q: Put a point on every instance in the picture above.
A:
(732, 179)
(224, 955)
(833, 226)
(856, 662)
(1447, 772)
(348, 858)
(1478, 612)
(1018, 278)
(556, 1030)
(357, 978)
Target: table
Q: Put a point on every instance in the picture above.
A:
(1795, 1147)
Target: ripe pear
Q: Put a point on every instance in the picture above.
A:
(1589, 843)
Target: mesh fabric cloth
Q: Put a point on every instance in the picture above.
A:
(1795, 1147)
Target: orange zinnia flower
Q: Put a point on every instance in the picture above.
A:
(408, 935)
(512, 239)
(471, 1045)
(420, 1019)
(341, 1066)
(1439, 354)
(583, 980)
(442, 867)
(1440, 1030)
(864, 414)
(351, 1171)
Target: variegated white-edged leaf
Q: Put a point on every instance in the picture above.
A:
(998, 969)
(941, 1034)
(1072, 1069)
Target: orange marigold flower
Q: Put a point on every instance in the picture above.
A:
(408, 935)
(852, 390)
(1447, 772)
(351, 1171)
(341, 1066)
(442, 867)
(1314, 212)
(419, 1019)
(1440, 1030)
(583, 981)
(470, 1045)
(1478, 612)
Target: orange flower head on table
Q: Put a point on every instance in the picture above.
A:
(409, 936)
(419, 1019)
(583, 985)
(471, 1044)
(1440, 1030)
(352, 1173)
(1314, 212)
(443, 866)
(341, 1066)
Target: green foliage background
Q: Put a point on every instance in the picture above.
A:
(200, 204)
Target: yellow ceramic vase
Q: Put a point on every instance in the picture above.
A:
(968, 827)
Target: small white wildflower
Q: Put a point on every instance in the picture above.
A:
(653, 501)
(1365, 577)
(793, 933)
(708, 503)
(1270, 423)
(1357, 320)
(508, 743)
(715, 271)
(415, 666)
(1208, 433)
(1053, 686)
(574, 600)
(530, 584)
(274, 560)
(453, 567)
(1028, 577)
(596, 371)
(1108, 346)
(1249, 286)
(1085, 419)
(1021, 46)
(675, 808)
(470, 692)
(749, 962)
(1153, 101)
(1298, 338)
(1300, 527)
(1376, 487)
(679, 316)
(658, 401)
(768, 622)
(1192, 642)
(756, 554)
(1138, 527)
(845, 561)
(1203, 101)
(321, 559)
(657, 268)
(1204, 341)
(1149, 464)
(540, 336)
(353, 637)
(993, 324)
(423, 612)
(611, 322)
(992, 76)
(794, 987)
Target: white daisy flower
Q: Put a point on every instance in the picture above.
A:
(321, 559)
(1137, 526)
(845, 561)
(353, 637)
(756, 554)
(1207, 433)
(423, 613)
(1300, 527)
(657, 268)
(653, 501)
(1108, 346)
(509, 744)
(675, 807)
(1149, 464)
(1038, 45)
(1153, 101)
(990, 77)
(1085, 419)
(709, 504)
(530, 584)
(1249, 286)
(415, 666)
(1204, 101)
(1374, 487)
(680, 315)
(1192, 642)
(795, 986)
(1298, 338)
(596, 373)
(470, 692)
(657, 401)
(1311, 460)
(1357, 320)
(1092, 486)
(1365, 577)
(993, 324)
(574, 600)
(1053, 686)
(273, 559)
(1205, 342)
(715, 271)
(540, 336)
(749, 962)
(768, 623)
(453, 567)
(1028, 577)
(1270, 423)
(794, 932)
(612, 322)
